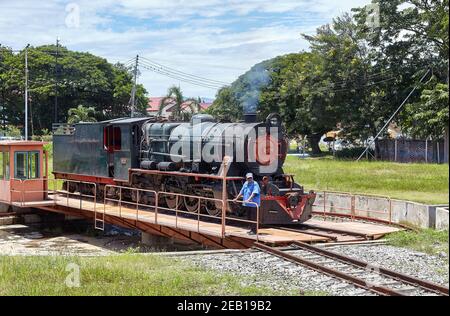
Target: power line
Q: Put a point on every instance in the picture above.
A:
(356, 87)
(201, 84)
(371, 76)
(197, 83)
(182, 78)
(182, 73)
(364, 86)
(131, 60)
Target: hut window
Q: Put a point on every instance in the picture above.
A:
(20, 165)
(26, 165)
(33, 165)
(4, 165)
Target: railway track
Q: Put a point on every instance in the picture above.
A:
(371, 278)
(332, 234)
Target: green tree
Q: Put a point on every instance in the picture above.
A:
(79, 78)
(412, 36)
(10, 131)
(179, 104)
(429, 116)
(226, 107)
(81, 114)
(355, 76)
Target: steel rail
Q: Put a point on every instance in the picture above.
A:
(361, 283)
(429, 286)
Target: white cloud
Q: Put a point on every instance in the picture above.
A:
(196, 36)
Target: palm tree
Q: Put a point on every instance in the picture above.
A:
(176, 99)
(81, 114)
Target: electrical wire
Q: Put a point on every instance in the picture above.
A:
(182, 73)
(364, 86)
(197, 83)
(181, 77)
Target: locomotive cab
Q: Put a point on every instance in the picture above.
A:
(100, 152)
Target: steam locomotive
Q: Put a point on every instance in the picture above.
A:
(186, 158)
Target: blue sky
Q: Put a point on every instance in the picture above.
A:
(215, 39)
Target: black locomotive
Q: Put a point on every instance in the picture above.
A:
(186, 158)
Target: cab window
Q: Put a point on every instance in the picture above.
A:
(112, 138)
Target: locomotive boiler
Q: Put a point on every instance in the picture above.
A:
(185, 158)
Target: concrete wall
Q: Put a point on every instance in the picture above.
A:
(415, 214)
(441, 218)
(396, 211)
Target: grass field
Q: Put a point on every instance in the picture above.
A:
(426, 183)
(425, 240)
(125, 274)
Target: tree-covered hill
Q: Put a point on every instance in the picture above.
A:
(355, 76)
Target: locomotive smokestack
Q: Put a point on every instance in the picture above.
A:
(250, 117)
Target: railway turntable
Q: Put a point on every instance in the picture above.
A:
(24, 183)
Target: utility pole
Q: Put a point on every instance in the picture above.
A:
(393, 115)
(31, 116)
(133, 91)
(56, 81)
(26, 92)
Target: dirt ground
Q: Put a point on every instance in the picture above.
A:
(31, 240)
(27, 240)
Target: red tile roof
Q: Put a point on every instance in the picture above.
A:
(154, 103)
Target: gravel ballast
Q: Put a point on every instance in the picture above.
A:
(262, 269)
(433, 268)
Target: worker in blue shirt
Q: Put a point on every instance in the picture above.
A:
(251, 193)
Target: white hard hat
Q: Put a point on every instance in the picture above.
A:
(249, 175)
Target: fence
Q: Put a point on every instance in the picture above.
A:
(407, 150)
(152, 211)
(136, 208)
(354, 206)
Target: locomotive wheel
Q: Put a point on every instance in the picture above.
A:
(171, 200)
(211, 208)
(191, 204)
